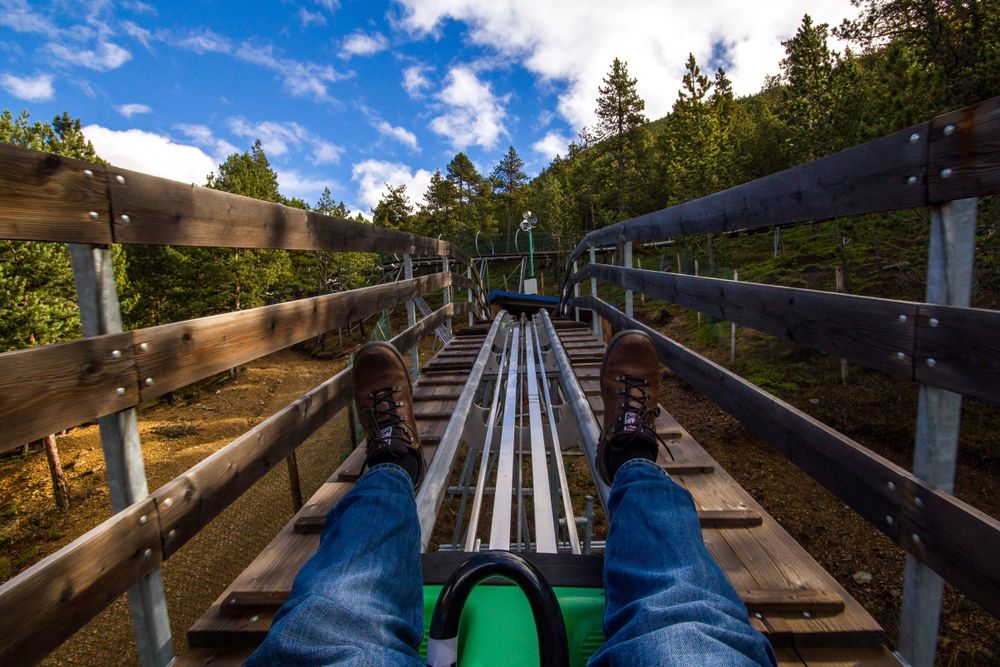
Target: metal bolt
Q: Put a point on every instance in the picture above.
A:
(912, 180)
(88, 173)
(167, 502)
(758, 615)
(915, 538)
(914, 138)
(892, 486)
(116, 354)
(949, 130)
(254, 618)
(143, 347)
(120, 391)
(901, 355)
(149, 382)
(120, 179)
(935, 321)
(806, 614)
(125, 219)
(918, 502)
(147, 553)
(142, 520)
(946, 172)
(171, 533)
(888, 519)
(932, 362)
(902, 318)
(93, 215)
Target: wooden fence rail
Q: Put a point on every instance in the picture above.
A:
(50, 388)
(896, 337)
(44, 605)
(45, 197)
(950, 157)
(958, 541)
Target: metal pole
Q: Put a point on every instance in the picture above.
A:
(504, 484)
(100, 313)
(950, 261)
(545, 530)
(411, 316)
(696, 271)
(839, 283)
(576, 291)
(446, 293)
(627, 263)
(468, 274)
(593, 291)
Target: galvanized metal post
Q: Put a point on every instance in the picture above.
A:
(732, 328)
(411, 316)
(627, 263)
(576, 291)
(468, 274)
(593, 291)
(100, 313)
(446, 293)
(951, 257)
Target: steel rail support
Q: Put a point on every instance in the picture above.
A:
(500, 526)
(411, 316)
(545, 531)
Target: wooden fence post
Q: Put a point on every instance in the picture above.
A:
(468, 274)
(839, 276)
(593, 291)
(59, 489)
(100, 313)
(411, 319)
(732, 329)
(950, 261)
(696, 274)
(294, 483)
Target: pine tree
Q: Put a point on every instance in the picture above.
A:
(619, 113)
(809, 94)
(509, 180)
(393, 209)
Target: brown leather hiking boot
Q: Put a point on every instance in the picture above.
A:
(630, 387)
(384, 397)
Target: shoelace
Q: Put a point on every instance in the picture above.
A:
(637, 404)
(383, 414)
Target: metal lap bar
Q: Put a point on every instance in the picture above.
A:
(477, 502)
(500, 528)
(545, 534)
(557, 458)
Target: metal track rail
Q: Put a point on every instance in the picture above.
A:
(545, 533)
(500, 527)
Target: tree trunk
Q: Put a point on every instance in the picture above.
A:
(59, 489)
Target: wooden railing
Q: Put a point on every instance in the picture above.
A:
(943, 344)
(109, 372)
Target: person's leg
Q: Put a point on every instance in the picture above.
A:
(358, 600)
(668, 602)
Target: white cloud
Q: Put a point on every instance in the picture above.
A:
(104, 58)
(205, 41)
(329, 5)
(372, 176)
(150, 153)
(360, 44)
(31, 88)
(572, 42)
(473, 115)
(400, 134)
(292, 183)
(278, 138)
(301, 78)
(202, 135)
(415, 81)
(18, 15)
(129, 110)
(551, 145)
(308, 18)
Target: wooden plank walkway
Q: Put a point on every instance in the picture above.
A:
(806, 614)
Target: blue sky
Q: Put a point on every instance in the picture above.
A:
(354, 94)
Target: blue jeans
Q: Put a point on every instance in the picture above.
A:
(359, 600)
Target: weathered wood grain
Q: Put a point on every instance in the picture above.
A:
(808, 599)
(174, 355)
(965, 348)
(44, 605)
(958, 542)
(45, 197)
(865, 330)
(46, 389)
(165, 212)
(964, 161)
